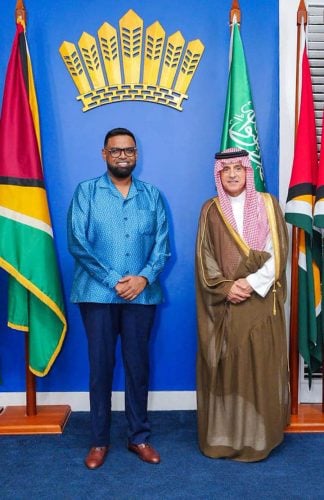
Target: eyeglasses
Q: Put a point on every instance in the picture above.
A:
(116, 152)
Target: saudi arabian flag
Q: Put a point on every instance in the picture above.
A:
(239, 128)
(27, 250)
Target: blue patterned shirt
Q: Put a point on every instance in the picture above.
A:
(111, 236)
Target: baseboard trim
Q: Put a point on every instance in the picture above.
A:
(79, 401)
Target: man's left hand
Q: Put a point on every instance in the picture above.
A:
(244, 285)
(129, 287)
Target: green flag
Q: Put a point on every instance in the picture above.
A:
(239, 128)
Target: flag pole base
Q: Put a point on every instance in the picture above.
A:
(48, 420)
(310, 418)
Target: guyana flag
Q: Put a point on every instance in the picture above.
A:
(27, 250)
(299, 212)
(319, 203)
(319, 224)
(239, 127)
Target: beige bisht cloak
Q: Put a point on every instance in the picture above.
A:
(242, 369)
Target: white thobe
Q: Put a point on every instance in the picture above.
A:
(263, 278)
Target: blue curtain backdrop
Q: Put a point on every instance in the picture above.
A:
(176, 151)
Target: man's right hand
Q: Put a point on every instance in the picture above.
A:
(239, 292)
(129, 287)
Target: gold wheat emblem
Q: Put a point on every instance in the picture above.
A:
(124, 67)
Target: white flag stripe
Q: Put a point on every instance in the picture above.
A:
(318, 309)
(299, 207)
(302, 261)
(319, 208)
(26, 219)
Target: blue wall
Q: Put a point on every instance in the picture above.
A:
(176, 151)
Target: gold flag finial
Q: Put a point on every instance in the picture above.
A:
(20, 12)
(302, 13)
(235, 12)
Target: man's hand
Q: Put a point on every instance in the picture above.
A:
(240, 291)
(129, 287)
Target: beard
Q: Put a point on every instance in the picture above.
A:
(121, 172)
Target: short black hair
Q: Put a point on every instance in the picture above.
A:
(118, 131)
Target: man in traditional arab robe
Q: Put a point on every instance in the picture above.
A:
(242, 369)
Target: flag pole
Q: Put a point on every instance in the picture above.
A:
(31, 407)
(293, 336)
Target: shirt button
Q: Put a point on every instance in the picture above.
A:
(125, 218)
(127, 235)
(127, 254)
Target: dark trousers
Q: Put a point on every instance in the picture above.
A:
(103, 323)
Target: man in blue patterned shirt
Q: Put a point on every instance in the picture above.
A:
(118, 236)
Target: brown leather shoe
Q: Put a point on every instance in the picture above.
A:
(145, 452)
(96, 457)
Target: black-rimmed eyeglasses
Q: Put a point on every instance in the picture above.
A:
(116, 152)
